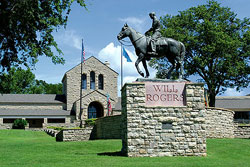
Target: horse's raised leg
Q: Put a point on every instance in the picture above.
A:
(180, 66)
(145, 67)
(140, 58)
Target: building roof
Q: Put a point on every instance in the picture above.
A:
(233, 102)
(31, 112)
(32, 98)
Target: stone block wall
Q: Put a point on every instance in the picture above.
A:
(108, 127)
(163, 131)
(219, 123)
(31, 106)
(242, 132)
(74, 134)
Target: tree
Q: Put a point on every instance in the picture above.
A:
(20, 81)
(217, 46)
(26, 28)
(16, 81)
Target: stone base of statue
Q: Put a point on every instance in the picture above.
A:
(163, 118)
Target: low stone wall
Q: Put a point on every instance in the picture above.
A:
(242, 132)
(74, 134)
(6, 126)
(219, 123)
(108, 127)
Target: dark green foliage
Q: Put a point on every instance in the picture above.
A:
(26, 28)
(20, 81)
(90, 121)
(16, 81)
(217, 46)
(19, 124)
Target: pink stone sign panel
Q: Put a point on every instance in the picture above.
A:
(168, 94)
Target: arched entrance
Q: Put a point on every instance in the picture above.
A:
(95, 110)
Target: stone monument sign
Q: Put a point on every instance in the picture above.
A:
(165, 94)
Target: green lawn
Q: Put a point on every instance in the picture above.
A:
(33, 149)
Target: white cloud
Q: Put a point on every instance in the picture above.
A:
(112, 54)
(137, 23)
(233, 92)
(69, 37)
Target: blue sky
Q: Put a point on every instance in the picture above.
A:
(100, 24)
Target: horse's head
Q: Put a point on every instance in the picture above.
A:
(125, 32)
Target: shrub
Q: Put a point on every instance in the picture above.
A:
(19, 124)
(90, 121)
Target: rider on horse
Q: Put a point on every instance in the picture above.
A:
(155, 29)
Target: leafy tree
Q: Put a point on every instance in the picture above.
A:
(217, 46)
(26, 28)
(20, 81)
(16, 81)
(53, 88)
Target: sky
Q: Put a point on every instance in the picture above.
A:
(99, 26)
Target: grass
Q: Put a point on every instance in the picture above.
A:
(34, 149)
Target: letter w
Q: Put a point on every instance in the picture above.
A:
(157, 88)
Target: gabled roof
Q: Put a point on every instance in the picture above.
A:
(32, 98)
(87, 61)
(233, 102)
(98, 93)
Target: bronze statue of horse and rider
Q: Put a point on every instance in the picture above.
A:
(156, 46)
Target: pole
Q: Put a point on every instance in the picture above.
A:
(80, 116)
(121, 68)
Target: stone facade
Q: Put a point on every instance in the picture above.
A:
(163, 131)
(219, 123)
(71, 86)
(32, 106)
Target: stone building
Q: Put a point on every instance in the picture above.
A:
(42, 110)
(239, 104)
(98, 82)
(38, 109)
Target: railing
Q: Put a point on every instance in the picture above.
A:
(242, 121)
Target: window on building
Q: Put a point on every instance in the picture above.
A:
(92, 80)
(56, 120)
(8, 120)
(84, 81)
(100, 81)
(242, 115)
(95, 110)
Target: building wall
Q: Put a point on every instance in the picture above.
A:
(32, 106)
(219, 123)
(72, 79)
(94, 96)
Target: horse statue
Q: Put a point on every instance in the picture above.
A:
(173, 50)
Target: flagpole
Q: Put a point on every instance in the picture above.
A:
(121, 68)
(80, 116)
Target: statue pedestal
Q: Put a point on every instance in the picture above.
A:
(163, 118)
